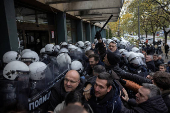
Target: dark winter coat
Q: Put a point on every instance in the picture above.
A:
(111, 103)
(101, 50)
(152, 50)
(129, 76)
(157, 63)
(151, 66)
(153, 105)
(162, 61)
(58, 93)
(166, 48)
(141, 70)
(166, 98)
(168, 69)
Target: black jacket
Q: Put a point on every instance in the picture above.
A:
(151, 66)
(101, 50)
(166, 98)
(129, 76)
(140, 70)
(153, 105)
(157, 63)
(152, 50)
(58, 93)
(166, 48)
(162, 61)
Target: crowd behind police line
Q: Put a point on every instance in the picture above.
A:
(106, 76)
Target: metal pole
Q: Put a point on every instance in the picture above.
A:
(108, 33)
(138, 22)
(118, 28)
(105, 23)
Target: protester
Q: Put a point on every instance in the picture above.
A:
(166, 50)
(162, 67)
(162, 80)
(105, 95)
(147, 100)
(70, 82)
(160, 58)
(150, 63)
(157, 62)
(94, 59)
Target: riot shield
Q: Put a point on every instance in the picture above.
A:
(14, 93)
(41, 91)
(57, 67)
(63, 61)
(39, 79)
(23, 89)
(8, 93)
(53, 66)
(76, 54)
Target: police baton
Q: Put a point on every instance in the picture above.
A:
(98, 35)
(106, 23)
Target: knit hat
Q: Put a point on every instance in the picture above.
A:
(169, 62)
(113, 58)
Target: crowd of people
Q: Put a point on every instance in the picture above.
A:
(107, 76)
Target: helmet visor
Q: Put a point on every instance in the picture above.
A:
(137, 61)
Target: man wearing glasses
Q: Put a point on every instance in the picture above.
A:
(70, 82)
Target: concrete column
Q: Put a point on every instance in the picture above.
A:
(96, 28)
(8, 27)
(79, 30)
(61, 27)
(104, 33)
(101, 33)
(73, 31)
(93, 33)
(88, 32)
(51, 21)
(84, 32)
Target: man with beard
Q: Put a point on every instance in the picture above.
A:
(94, 60)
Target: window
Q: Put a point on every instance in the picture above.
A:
(28, 15)
(69, 38)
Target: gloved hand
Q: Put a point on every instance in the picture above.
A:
(98, 35)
